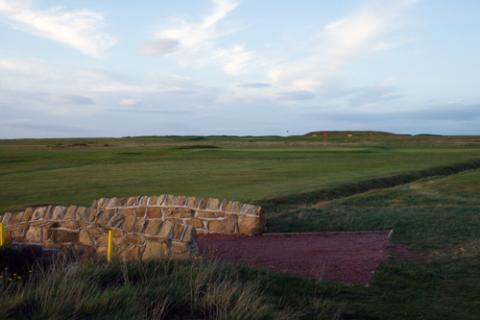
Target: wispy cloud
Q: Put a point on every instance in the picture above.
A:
(338, 42)
(190, 35)
(79, 29)
(70, 99)
(196, 43)
(255, 85)
(130, 102)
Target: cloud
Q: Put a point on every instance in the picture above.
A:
(255, 85)
(190, 35)
(338, 42)
(368, 95)
(235, 60)
(79, 29)
(160, 47)
(131, 102)
(296, 95)
(75, 100)
(195, 43)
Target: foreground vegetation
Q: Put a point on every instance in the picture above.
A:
(162, 290)
(434, 272)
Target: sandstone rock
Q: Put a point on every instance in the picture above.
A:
(155, 251)
(135, 239)
(153, 227)
(95, 232)
(34, 234)
(73, 225)
(92, 215)
(132, 201)
(180, 250)
(196, 223)
(213, 204)
(143, 201)
(248, 209)
(216, 226)
(58, 212)
(84, 238)
(128, 223)
(139, 226)
(63, 236)
(232, 206)
(248, 225)
(167, 230)
(104, 216)
(16, 232)
(28, 213)
(202, 203)
(231, 224)
(70, 214)
(188, 234)
(116, 221)
(152, 201)
(154, 213)
(178, 230)
(141, 212)
(201, 214)
(131, 253)
(6, 218)
(102, 251)
(179, 201)
(127, 212)
(192, 202)
(102, 241)
(111, 203)
(169, 200)
(161, 200)
(178, 213)
(16, 218)
(39, 213)
(80, 213)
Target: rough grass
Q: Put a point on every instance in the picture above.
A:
(438, 219)
(161, 290)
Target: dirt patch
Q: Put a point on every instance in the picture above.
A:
(349, 257)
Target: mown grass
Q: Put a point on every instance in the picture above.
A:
(37, 174)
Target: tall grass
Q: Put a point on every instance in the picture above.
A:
(162, 290)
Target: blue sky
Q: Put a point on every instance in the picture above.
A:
(245, 67)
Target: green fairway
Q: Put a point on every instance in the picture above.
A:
(41, 171)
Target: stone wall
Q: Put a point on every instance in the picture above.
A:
(86, 230)
(206, 215)
(143, 228)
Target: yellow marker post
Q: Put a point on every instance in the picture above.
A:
(2, 235)
(109, 249)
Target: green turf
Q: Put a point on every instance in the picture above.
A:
(39, 172)
(438, 219)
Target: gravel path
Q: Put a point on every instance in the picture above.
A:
(349, 257)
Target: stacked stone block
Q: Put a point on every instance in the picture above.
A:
(145, 228)
(206, 215)
(134, 237)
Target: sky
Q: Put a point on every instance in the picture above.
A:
(84, 68)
